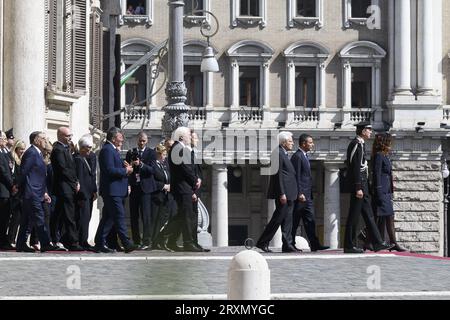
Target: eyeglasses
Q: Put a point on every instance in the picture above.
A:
(69, 135)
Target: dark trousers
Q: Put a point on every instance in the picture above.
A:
(141, 207)
(83, 213)
(33, 215)
(182, 222)
(195, 221)
(282, 216)
(64, 221)
(34, 239)
(305, 211)
(360, 207)
(5, 214)
(16, 210)
(162, 213)
(113, 214)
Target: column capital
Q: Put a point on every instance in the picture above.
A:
(221, 167)
(333, 165)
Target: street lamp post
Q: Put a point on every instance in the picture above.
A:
(176, 112)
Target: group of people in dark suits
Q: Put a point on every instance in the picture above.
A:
(291, 187)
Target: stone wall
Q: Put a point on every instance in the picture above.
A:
(418, 205)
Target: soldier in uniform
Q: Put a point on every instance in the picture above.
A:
(360, 203)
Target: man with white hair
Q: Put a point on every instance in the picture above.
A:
(184, 182)
(86, 168)
(282, 188)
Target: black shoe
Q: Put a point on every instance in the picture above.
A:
(89, 248)
(130, 248)
(369, 247)
(145, 247)
(398, 248)
(174, 247)
(7, 247)
(319, 247)
(382, 246)
(288, 249)
(192, 248)
(49, 247)
(353, 250)
(103, 249)
(24, 248)
(297, 249)
(201, 248)
(264, 247)
(75, 247)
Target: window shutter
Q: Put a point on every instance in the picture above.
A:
(79, 45)
(96, 71)
(50, 42)
(69, 22)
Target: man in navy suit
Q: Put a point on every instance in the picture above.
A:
(282, 188)
(304, 208)
(33, 187)
(142, 185)
(114, 189)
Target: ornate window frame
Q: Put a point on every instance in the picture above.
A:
(250, 53)
(248, 21)
(294, 20)
(199, 20)
(193, 54)
(349, 21)
(361, 54)
(129, 57)
(146, 19)
(305, 54)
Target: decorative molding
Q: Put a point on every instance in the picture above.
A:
(194, 20)
(294, 20)
(350, 21)
(146, 19)
(249, 21)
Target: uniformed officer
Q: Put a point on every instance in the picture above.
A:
(360, 203)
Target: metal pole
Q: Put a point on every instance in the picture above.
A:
(176, 112)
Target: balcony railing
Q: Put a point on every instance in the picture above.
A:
(197, 114)
(246, 114)
(446, 113)
(311, 115)
(136, 113)
(359, 115)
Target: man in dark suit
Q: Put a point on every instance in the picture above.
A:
(65, 186)
(33, 188)
(282, 188)
(304, 207)
(360, 203)
(86, 167)
(7, 189)
(183, 185)
(142, 185)
(114, 189)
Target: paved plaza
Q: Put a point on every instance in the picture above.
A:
(161, 275)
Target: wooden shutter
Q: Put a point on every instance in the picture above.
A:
(68, 26)
(96, 70)
(79, 46)
(50, 42)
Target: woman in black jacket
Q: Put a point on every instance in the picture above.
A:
(383, 188)
(161, 198)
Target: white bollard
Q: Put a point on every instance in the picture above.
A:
(248, 277)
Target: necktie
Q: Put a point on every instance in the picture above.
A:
(140, 154)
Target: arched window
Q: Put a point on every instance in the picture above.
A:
(305, 69)
(136, 92)
(250, 76)
(199, 84)
(361, 64)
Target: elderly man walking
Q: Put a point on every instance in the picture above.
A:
(282, 188)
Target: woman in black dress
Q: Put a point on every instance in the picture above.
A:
(383, 187)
